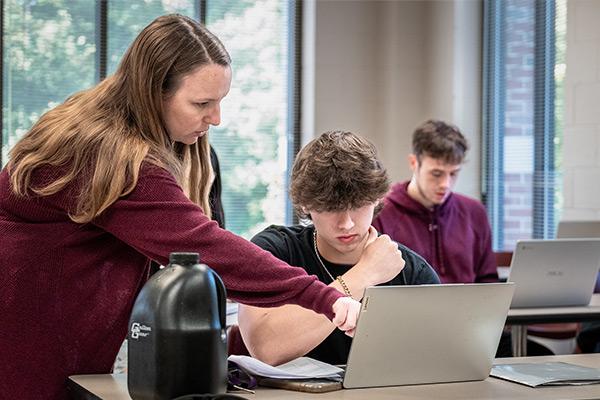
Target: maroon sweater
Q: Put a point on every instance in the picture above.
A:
(67, 289)
(454, 237)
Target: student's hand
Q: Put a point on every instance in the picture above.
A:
(380, 261)
(346, 314)
(372, 235)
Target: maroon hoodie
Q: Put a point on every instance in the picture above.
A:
(454, 237)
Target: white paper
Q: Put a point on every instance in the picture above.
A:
(231, 317)
(232, 308)
(547, 374)
(300, 368)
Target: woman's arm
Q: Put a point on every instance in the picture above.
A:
(156, 218)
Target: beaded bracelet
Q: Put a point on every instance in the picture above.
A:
(344, 286)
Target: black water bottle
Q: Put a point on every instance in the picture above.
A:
(177, 342)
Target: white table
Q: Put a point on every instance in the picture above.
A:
(114, 387)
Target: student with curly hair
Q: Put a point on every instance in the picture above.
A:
(338, 184)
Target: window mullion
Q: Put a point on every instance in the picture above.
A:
(494, 94)
(543, 177)
(101, 39)
(200, 11)
(294, 97)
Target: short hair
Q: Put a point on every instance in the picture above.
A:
(440, 140)
(335, 172)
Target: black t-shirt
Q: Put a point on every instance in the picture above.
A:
(295, 246)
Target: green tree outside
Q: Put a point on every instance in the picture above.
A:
(49, 53)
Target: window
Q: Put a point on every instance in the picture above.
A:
(54, 48)
(48, 53)
(256, 117)
(524, 53)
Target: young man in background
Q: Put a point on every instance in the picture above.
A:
(449, 230)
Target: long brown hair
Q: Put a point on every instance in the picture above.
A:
(105, 133)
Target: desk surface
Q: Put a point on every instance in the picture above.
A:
(114, 387)
(540, 315)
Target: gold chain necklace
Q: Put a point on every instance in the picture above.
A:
(319, 257)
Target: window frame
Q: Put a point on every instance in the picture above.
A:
(494, 108)
(293, 125)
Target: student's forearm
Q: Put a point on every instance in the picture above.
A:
(356, 281)
(278, 335)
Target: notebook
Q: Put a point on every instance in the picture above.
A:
(578, 229)
(554, 273)
(427, 334)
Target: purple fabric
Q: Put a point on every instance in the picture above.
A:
(454, 237)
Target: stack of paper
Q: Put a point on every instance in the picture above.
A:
(546, 374)
(300, 368)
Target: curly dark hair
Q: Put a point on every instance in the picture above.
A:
(440, 140)
(335, 172)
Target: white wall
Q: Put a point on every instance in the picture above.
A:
(380, 68)
(581, 154)
(454, 77)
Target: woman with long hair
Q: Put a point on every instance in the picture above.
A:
(112, 178)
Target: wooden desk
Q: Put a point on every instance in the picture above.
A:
(114, 387)
(519, 318)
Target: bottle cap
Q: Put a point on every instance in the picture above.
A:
(184, 258)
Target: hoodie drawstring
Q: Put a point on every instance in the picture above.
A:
(434, 228)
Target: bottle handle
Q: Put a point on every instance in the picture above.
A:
(221, 298)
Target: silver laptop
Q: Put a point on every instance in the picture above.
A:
(578, 229)
(554, 273)
(427, 334)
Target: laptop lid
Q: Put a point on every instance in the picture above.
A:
(427, 334)
(553, 273)
(578, 229)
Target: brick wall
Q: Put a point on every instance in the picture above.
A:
(518, 149)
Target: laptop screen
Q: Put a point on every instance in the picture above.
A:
(427, 334)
